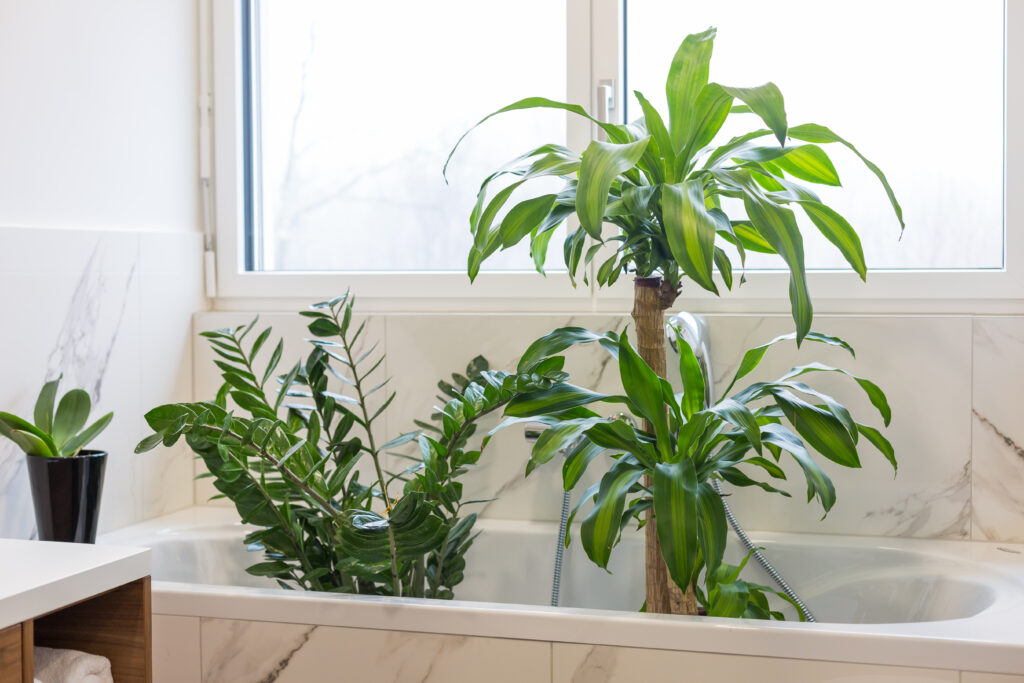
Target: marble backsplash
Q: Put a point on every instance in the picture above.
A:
(948, 379)
(112, 312)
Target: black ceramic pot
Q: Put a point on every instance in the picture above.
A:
(66, 495)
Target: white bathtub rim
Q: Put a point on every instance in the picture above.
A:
(952, 645)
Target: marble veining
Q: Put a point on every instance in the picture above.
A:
(83, 348)
(1007, 441)
(236, 651)
(606, 664)
(110, 311)
(997, 430)
(913, 515)
(87, 337)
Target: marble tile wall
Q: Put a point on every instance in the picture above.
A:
(112, 311)
(201, 650)
(950, 381)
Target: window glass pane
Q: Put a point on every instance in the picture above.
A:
(358, 105)
(916, 85)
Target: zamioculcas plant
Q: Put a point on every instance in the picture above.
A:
(289, 459)
(669, 467)
(661, 182)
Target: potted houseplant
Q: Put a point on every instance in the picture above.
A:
(661, 182)
(66, 480)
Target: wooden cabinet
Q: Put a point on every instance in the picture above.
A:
(11, 649)
(116, 624)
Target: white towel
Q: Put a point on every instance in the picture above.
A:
(70, 666)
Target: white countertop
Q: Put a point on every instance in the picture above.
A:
(38, 577)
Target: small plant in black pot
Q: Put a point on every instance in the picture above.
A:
(66, 480)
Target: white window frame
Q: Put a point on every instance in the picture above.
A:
(592, 25)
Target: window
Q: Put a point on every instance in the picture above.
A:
(330, 146)
(907, 81)
(358, 105)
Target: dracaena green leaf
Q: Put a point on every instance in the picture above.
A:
(675, 513)
(810, 132)
(765, 101)
(740, 416)
(687, 76)
(557, 439)
(556, 342)
(779, 228)
(599, 531)
(819, 428)
(710, 112)
(577, 460)
(818, 483)
(524, 218)
(712, 526)
(692, 376)
(656, 127)
(643, 387)
(810, 163)
(690, 230)
(619, 436)
(612, 131)
(879, 442)
(839, 232)
(602, 163)
(873, 391)
(752, 358)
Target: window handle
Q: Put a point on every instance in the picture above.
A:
(605, 104)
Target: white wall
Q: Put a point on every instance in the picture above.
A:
(100, 249)
(98, 114)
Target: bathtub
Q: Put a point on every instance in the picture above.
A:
(887, 609)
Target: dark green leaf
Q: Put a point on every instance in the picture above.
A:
(675, 513)
(600, 529)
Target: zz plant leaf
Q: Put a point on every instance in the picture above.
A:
(299, 455)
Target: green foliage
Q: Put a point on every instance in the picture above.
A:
(663, 184)
(739, 439)
(55, 434)
(294, 463)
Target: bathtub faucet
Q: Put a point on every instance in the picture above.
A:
(691, 329)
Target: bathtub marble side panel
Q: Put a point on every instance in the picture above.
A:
(176, 655)
(236, 651)
(573, 663)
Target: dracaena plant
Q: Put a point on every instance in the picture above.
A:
(56, 433)
(290, 460)
(669, 467)
(663, 182)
